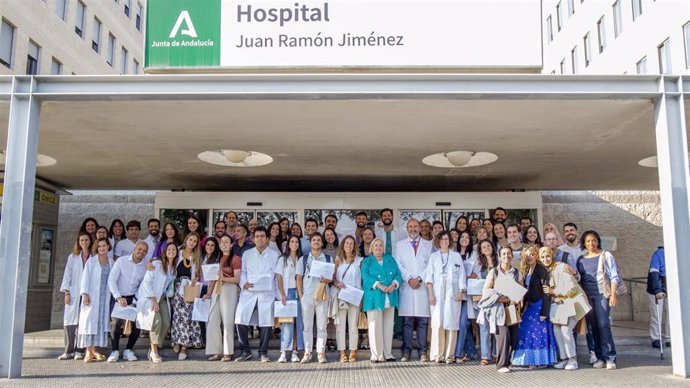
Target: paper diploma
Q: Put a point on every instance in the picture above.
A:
(128, 313)
(210, 272)
(509, 288)
(289, 310)
(201, 309)
(475, 286)
(351, 295)
(260, 282)
(322, 269)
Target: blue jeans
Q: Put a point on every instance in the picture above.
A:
(287, 330)
(408, 325)
(487, 341)
(465, 342)
(599, 319)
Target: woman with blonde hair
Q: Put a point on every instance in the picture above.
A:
(347, 274)
(186, 333)
(565, 292)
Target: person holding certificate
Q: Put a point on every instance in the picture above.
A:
(313, 283)
(381, 279)
(568, 306)
(446, 283)
(494, 307)
(286, 280)
(347, 276)
(486, 262)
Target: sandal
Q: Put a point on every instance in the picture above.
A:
(484, 362)
(227, 358)
(215, 357)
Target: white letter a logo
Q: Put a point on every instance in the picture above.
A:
(189, 31)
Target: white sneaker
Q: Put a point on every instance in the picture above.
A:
(592, 358)
(610, 365)
(295, 357)
(505, 369)
(129, 355)
(78, 355)
(65, 356)
(265, 358)
(114, 356)
(182, 356)
(572, 364)
(599, 364)
(562, 364)
(282, 358)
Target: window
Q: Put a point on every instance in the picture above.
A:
(55, 67)
(32, 58)
(137, 20)
(571, 7)
(96, 38)
(562, 66)
(6, 43)
(79, 22)
(664, 51)
(636, 8)
(601, 34)
(641, 66)
(549, 29)
(135, 67)
(128, 6)
(61, 9)
(573, 59)
(617, 18)
(588, 49)
(110, 58)
(123, 63)
(559, 16)
(686, 37)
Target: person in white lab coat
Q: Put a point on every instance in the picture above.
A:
(412, 255)
(257, 263)
(388, 233)
(94, 315)
(71, 280)
(446, 283)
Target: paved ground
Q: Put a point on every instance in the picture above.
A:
(638, 366)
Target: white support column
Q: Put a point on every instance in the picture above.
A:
(672, 153)
(15, 227)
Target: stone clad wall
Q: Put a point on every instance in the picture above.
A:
(104, 206)
(633, 217)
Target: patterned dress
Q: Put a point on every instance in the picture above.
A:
(184, 331)
(537, 343)
(101, 338)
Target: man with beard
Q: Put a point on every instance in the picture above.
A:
(154, 236)
(230, 221)
(219, 229)
(361, 219)
(311, 226)
(387, 232)
(500, 214)
(572, 241)
(525, 222)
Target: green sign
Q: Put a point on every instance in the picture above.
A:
(183, 33)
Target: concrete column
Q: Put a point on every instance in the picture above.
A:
(15, 226)
(672, 153)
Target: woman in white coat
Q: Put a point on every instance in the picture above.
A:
(94, 316)
(153, 299)
(347, 274)
(446, 283)
(71, 281)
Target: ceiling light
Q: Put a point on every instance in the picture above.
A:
(651, 162)
(460, 159)
(235, 158)
(41, 160)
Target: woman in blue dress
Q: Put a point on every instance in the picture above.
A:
(537, 343)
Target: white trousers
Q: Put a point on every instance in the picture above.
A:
(310, 307)
(222, 311)
(656, 311)
(347, 316)
(381, 333)
(565, 340)
(442, 343)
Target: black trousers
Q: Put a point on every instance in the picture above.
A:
(243, 339)
(506, 341)
(116, 328)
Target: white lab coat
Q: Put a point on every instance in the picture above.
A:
(71, 281)
(446, 313)
(91, 285)
(255, 263)
(396, 235)
(413, 302)
(155, 284)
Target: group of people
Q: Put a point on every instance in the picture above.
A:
(523, 298)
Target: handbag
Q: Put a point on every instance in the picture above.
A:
(512, 315)
(362, 322)
(170, 291)
(191, 293)
(621, 289)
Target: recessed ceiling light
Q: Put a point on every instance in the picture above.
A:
(459, 159)
(651, 162)
(41, 160)
(235, 158)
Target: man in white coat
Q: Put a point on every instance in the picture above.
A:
(257, 283)
(387, 232)
(412, 255)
